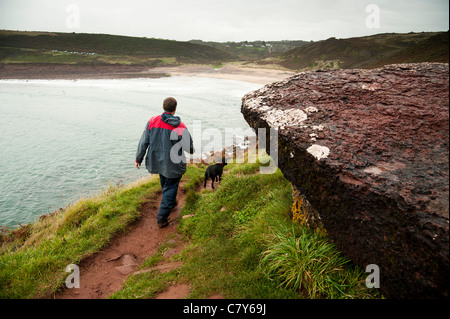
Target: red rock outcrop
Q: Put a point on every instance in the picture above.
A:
(369, 149)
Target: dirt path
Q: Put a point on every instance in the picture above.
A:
(104, 272)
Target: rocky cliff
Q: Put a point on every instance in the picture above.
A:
(369, 150)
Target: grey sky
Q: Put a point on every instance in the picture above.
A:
(224, 20)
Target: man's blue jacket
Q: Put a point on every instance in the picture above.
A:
(165, 139)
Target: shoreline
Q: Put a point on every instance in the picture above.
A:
(206, 156)
(78, 72)
(230, 153)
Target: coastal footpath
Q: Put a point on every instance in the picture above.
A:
(368, 150)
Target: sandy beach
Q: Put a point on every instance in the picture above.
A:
(74, 72)
(228, 71)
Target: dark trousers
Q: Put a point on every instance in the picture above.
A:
(169, 197)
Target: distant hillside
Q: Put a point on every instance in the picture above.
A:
(79, 48)
(76, 50)
(433, 49)
(254, 50)
(366, 52)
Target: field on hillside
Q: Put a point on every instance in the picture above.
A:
(80, 48)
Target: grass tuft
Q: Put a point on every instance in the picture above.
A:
(303, 260)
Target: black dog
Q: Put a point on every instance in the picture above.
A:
(215, 172)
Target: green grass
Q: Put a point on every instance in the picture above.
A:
(32, 262)
(304, 261)
(240, 243)
(226, 244)
(38, 56)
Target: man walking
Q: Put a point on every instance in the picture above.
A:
(165, 139)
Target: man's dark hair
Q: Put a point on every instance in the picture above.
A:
(170, 104)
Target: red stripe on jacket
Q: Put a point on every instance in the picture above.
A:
(157, 122)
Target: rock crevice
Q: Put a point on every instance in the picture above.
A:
(369, 150)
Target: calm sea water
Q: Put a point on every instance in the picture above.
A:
(62, 140)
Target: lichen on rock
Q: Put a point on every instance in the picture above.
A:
(318, 151)
(303, 213)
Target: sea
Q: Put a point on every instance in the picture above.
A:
(62, 140)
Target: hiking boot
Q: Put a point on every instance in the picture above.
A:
(164, 224)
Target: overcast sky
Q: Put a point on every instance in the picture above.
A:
(227, 20)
